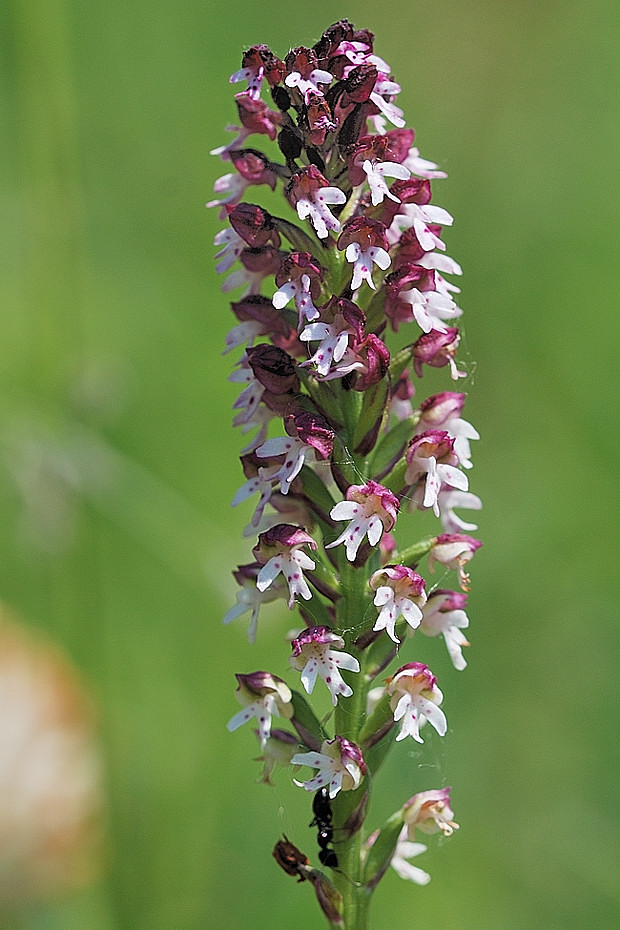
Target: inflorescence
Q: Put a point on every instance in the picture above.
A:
(359, 256)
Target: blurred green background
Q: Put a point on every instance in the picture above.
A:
(118, 461)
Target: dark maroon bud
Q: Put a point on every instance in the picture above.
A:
(263, 261)
(413, 190)
(436, 350)
(253, 166)
(327, 45)
(377, 358)
(313, 430)
(256, 116)
(253, 224)
(290, 143)
(281, 98)
(359, 84)
(273, 368)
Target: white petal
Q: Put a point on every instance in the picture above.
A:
(344, 660)
(438, 215)
(375, 530)
(331, 195)
(453, 476)
(381, 258)
(434, 715)
(269, 572)
(392, 169)
(383, 595)
(283, 295)
(321, 77)
(242, 716)
(309, 675)
(345, 510)
(311, 759)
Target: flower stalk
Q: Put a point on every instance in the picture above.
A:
(343, 443)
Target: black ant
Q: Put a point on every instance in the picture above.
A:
(322, 810)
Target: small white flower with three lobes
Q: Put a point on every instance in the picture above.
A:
(309, 439)
(340, 764)
(314, 657)
(263, 696)
(431, 467)
(402, 851)
(300, 292)
(376, 173)
(444, 614)
(400, 591)
(415, 698)
(364, 242)
(371, 508)
(309, 83)
(333, 344)
(430, 812)
(311, 195)
(363, 261)
(278, 551)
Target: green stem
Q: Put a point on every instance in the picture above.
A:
(355, 897)
(349, 718)
(353, 618)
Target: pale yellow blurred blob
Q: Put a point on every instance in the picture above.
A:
(50, 772)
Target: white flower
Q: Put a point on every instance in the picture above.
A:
(249, 598)
(314, 657)
(232, 247)
(384, 86)
(430, 308)
(444, 614)
(340, 764)
(263, 696)
(333, 344)
(295, 452)
(377, 171)
(300, 291)
(254, 77)
(320, 215)
(371, 509)
(415, 698)
(232, 186)
(421, 167)
(430, 812)
(400, 590)
(439, 476)
(289, 559)
(362, 261)
(421, 217)
(309, 85)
